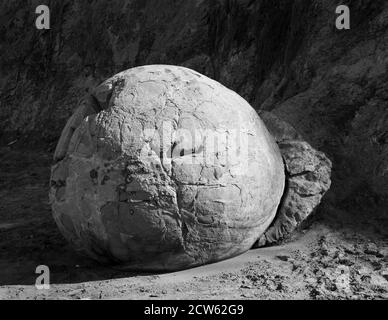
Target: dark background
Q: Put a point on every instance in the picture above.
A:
(281, 56)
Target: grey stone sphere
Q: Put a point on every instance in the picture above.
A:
(162, 168)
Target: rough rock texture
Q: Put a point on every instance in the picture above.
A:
(139, 179)
(307, 180)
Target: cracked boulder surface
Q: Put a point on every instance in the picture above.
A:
(137, 180)
(308, 174)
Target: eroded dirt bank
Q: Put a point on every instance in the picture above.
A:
(340, 255)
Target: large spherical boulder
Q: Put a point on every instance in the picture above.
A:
(162, 168)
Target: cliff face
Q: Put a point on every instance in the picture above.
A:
(282, 56)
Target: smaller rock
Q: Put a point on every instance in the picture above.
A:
(307, 180)
(345, 261)
(245, 286)
(324, 250)
(350, 249)
(247, 296)
(372, 249)
(283, 258)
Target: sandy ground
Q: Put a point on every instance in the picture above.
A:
(338, 256)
